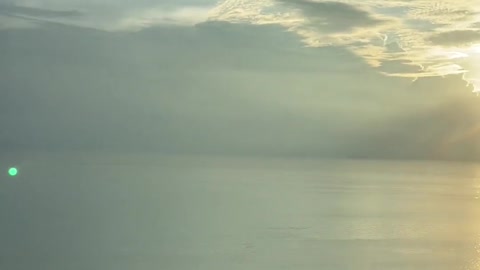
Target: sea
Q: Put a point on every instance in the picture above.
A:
(149, 212)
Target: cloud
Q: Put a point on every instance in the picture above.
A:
(456, 37)
(443, 13)
(445, 130)
(442, 133)
(219, 88)
(15, 10)
(12, 22)
(326, 77)
(334, 16)
(151, 17)
(18, 17)
(108, 15)
(417, 33)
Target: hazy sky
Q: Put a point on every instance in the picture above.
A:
(371, 78)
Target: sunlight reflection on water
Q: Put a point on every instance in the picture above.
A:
(146, 212)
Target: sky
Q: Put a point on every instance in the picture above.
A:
(373, 79)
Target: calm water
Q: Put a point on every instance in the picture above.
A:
(146, 212)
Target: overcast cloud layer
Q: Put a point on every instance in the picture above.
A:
(370, 79)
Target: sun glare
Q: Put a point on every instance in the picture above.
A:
(466, 60)
(475, 48)
(474, 68)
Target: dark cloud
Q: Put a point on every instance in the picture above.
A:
(334, 16)
(213, 88)
(447, 130)
(216, 88)
(14, 10)
(456, 37)
(394, 47)
(399, 66)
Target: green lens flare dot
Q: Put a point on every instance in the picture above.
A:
(12, 171)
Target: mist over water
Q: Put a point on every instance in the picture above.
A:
(151, 212)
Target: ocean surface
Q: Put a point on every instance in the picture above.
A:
(88, 212)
